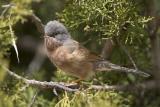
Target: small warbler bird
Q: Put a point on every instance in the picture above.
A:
(71, 57)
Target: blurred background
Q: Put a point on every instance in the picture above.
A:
(125, 32)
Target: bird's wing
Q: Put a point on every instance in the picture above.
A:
(79, 52)
(89, 56)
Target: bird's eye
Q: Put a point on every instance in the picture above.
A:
(55, 33)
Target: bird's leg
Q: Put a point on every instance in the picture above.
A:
(76, 81)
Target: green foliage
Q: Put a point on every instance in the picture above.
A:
(11, 14)
(101, 19)
(91, 99)
(107, 17)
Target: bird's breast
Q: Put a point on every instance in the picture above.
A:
(80, 69)
(58, 57)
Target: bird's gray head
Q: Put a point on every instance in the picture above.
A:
(57, 30)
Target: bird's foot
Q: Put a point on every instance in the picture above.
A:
(77, 81)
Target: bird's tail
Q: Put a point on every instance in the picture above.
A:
(107, 66)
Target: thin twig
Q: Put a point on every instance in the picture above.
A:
(38, 23)
(37, 60)
(149, 85)
(7, 7)
(76, 87)
(128, 54)
(33, 99)
(13, 74)
(13, 39)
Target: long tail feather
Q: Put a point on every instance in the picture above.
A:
(107, 66)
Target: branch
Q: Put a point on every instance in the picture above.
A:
(43, 85)
(149, 85)
(76, 87)
(38, 23)
(127, 53)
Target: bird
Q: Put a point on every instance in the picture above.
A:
(73, 58)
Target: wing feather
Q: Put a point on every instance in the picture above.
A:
(79, 52)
